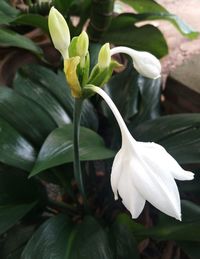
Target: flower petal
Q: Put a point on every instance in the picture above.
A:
(117, 169)
(160, 154)
(131, 198)
(156, 185)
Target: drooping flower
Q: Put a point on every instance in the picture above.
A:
(144, 62)
(144, 172)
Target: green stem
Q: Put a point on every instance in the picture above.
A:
(77, 166)
(62, 205)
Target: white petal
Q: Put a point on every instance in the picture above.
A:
(131, 198)
(156, 186)
(117, 169)
(160, 154)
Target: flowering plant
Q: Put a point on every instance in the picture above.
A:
(90, 173)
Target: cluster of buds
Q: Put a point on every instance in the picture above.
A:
(77, 60)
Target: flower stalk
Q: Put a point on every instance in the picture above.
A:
(77, 165)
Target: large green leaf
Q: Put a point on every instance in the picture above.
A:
(57, 86)
(25, 116)
(123, 238)
(51, 240)
(10, 38)
(171, 229)
(58, 238)
(151, 10)
(139, 97)
(15, 150)
(58, 148)
(34, 20)
(89, 240)
(121, 26)
(18, 196)
(7, 12)
(190, 248)
(179, 134)
(43, 97)
(11, 214)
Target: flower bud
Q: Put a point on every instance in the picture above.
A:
(82, 44)
(104, 57)
(59, 32)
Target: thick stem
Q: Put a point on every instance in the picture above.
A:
(77, 166)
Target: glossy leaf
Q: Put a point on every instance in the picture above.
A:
(7, 12)
(151, 10)
(190, 248)
(124, 241)
(139, 98)
(15, 149)
(10, 38)
(171, 229)
(179, 134)
(57, 86)
(16, 188)
(44, 98)
(25, 116)
(11, 214)
(121, 26)
(58, 148)
(34, 20)
(51, 240)
(63, 5)
(89, 240)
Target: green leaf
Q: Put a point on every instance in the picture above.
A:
(190, 248)
(139, 97)
(25, 116)
(11, 214)
(51, 240)
(171, 229)
(15, 150)
(89, 240)
(121, 26)
(57, 86)
(34, 20)
(16, 188)
(15, 241)
(41, 95)
(9, 38)
(124, 241)
(18, 196)
(63, 5)
(7, 13)
(179, 134)
(150, 10)
(58, 148)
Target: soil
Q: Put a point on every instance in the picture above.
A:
(180, 48)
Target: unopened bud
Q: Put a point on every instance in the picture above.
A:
(82, 44)
(59, 32)
(104, 57)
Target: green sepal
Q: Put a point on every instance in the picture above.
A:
(72, 47)
(83, 72)
(99, 77)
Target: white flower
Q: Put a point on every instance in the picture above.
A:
(59, 32)
(145, 63)
(144, 172)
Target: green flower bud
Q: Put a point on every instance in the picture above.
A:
(104, 57)
(59, 32)
(82, 44)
